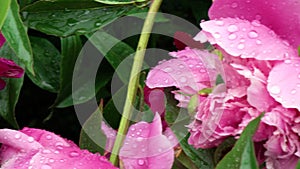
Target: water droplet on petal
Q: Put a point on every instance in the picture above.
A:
(241, 46)
(183, 79)
(255, 23)
(141, 162)
(219, 23)
(74, 154)
(139, 139)
(48, 137)
(232, 36)
(275, 89)
(258, 17)
(46, 167)
(258, 42)
(232, 28)
(217, 35)
(18, 136)
(253, 34)
(288, 61)
(30, 139)
(234, 5)
(168, 69)
(294, 91)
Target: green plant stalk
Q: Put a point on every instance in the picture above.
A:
(134, 78)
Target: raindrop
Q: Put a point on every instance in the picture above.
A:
(294, 91)
(299, 76)
(255, 23)
(217, 35)
(132, 129)
(46, 167)
(51, 160)
(46, 151)
(234, 5)
(241, 46)
(258, 42)
(181, 66)
(288, 61)
(168, 69)
(232, 36)
(18, 136)
(74, 154)
(30, 139)
(232, 28)
(48, 137)
(202, 70)
(97, 24)
(219, 23)
(258, 17)
(275, 89)
(253, 34)
(141, 162)
(139, 139)
(183, 79)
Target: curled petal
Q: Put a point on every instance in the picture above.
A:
(245, 39)
(145, 146)
(284, 83)
(286, 12)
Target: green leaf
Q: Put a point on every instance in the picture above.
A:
(47, 64)
(91, 136)
(120, 2)
(4, 7)
(115, 51)
(10, 94)
(70, 49)
(202, 158)
(63, 19)
(16, 35)
(242, 155)
(298, 165)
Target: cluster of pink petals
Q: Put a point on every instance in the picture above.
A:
(39, 149)
(145, 145)
(261, 71)
(8, 69)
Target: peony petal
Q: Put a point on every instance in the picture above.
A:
(110, 134)
(145, 146)
(9, 69)
(247, 39)
(155, 98)
(50, 151)
(283, 17)
(284, 83)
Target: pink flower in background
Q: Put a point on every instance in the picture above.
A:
(8, 69)
(2, 40)
(40, 149)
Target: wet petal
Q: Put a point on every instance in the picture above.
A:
(286, 12)
(145, 146)
(284, 83)
(110, 134)
(246, 39)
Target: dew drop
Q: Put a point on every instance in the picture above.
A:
(30, 139)
(258, 42)
(139, 139)
(168, 69)
(217, 35)
(46, 167)
(294, 91)
(74, 154)
(141, 162)
(48, 137)
(275, 89)
(255, 23)
(234, 5)
(253, 34)
(183, 79)
(241, 46)
(232, 28)
(288, 61)
(232, 36)
(219, 23)
(18, 136)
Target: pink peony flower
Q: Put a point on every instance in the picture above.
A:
(141, 149)
(40, 149)
(245, 29)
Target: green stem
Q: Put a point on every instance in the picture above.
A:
(134, 78)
